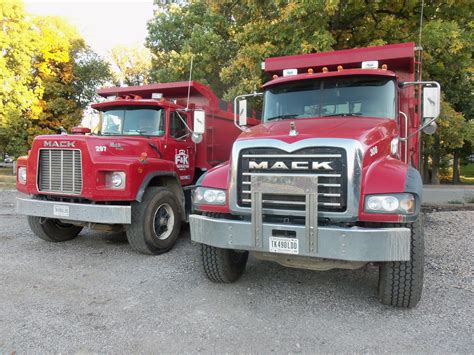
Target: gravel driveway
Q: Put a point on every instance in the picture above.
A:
(95, 294)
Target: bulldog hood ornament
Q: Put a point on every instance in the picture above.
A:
(293, 131)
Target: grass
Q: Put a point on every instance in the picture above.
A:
(467, 171)
(7, 179)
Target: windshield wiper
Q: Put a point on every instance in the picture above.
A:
(281, 117)
(343, 114)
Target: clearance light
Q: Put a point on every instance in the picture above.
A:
(143, 157)
(310, 71)
(208, 196)
(371, 64)
(339, 68)
(384, 67)
(290, 72)
(275, 76)
(325, 70)
(393, 204)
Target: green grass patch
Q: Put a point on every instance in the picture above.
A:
(6, 171)
(467, 171)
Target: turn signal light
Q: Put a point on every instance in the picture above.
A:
(339, 68)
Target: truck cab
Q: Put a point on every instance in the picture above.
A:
(329, 178)
(132, 174)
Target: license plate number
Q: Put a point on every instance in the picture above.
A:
(284, 245)
(61, 211)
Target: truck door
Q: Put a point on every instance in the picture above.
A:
(180, 146)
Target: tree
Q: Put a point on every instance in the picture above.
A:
(21, 90)
(48, 76)
(90, 72)
(132, 64)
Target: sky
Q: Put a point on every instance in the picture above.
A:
(102, 23)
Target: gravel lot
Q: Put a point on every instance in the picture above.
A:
(95, 294)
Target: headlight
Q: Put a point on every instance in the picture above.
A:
(115, 179)
(208, 196)
(395, 204)
(22, 175)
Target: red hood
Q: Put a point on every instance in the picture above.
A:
(102, 147)
(366, 130)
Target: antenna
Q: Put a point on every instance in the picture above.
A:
(189, 82)
(421, 21)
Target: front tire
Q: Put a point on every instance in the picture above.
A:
(223, 265)
(156, 222)
(52, 230)
(401, 282)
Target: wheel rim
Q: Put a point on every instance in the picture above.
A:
(235, 257)
(163, 221)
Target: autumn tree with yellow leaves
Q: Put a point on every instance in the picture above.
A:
(48, 76)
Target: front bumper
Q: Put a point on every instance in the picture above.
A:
(349, 244)
(104, 214)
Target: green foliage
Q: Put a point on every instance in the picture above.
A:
(48, 75)
(133, 64)
(229, 39)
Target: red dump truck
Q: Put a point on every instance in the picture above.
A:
(330, 178)
(153, 141)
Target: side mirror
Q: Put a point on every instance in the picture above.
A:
(199, 126)
(431, 102)
(242, 112)
(429, 127)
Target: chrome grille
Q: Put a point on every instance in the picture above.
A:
(332, 184)
(60, 170)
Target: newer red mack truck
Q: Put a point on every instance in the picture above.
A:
(153, 141)
(329, 179)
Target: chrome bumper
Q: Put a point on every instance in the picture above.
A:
(105, 214)
(350, 244)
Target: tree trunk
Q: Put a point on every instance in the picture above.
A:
(435, 161)
(456, 168)
(426, 169)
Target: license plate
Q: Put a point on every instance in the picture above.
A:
(284, 245)
(61, 210)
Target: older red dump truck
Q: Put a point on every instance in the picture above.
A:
(153, 141)
(329, 179)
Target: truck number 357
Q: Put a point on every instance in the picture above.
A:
(100, 148)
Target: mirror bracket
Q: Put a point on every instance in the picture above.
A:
(237, 99)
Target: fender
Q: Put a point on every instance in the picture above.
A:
(217, 177)
(150, 176)
(386, 176)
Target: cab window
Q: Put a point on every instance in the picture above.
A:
(177, 127)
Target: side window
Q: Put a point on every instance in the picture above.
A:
(177, 127)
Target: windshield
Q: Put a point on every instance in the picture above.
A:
(133, 121)
(344, 96)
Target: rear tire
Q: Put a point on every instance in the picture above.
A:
(401, 282)
(223, 265)
(156, 222)
(53, 230)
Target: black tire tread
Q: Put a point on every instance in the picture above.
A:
(135, 233)
(218, 266)
(47, 231)
(401, 282)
